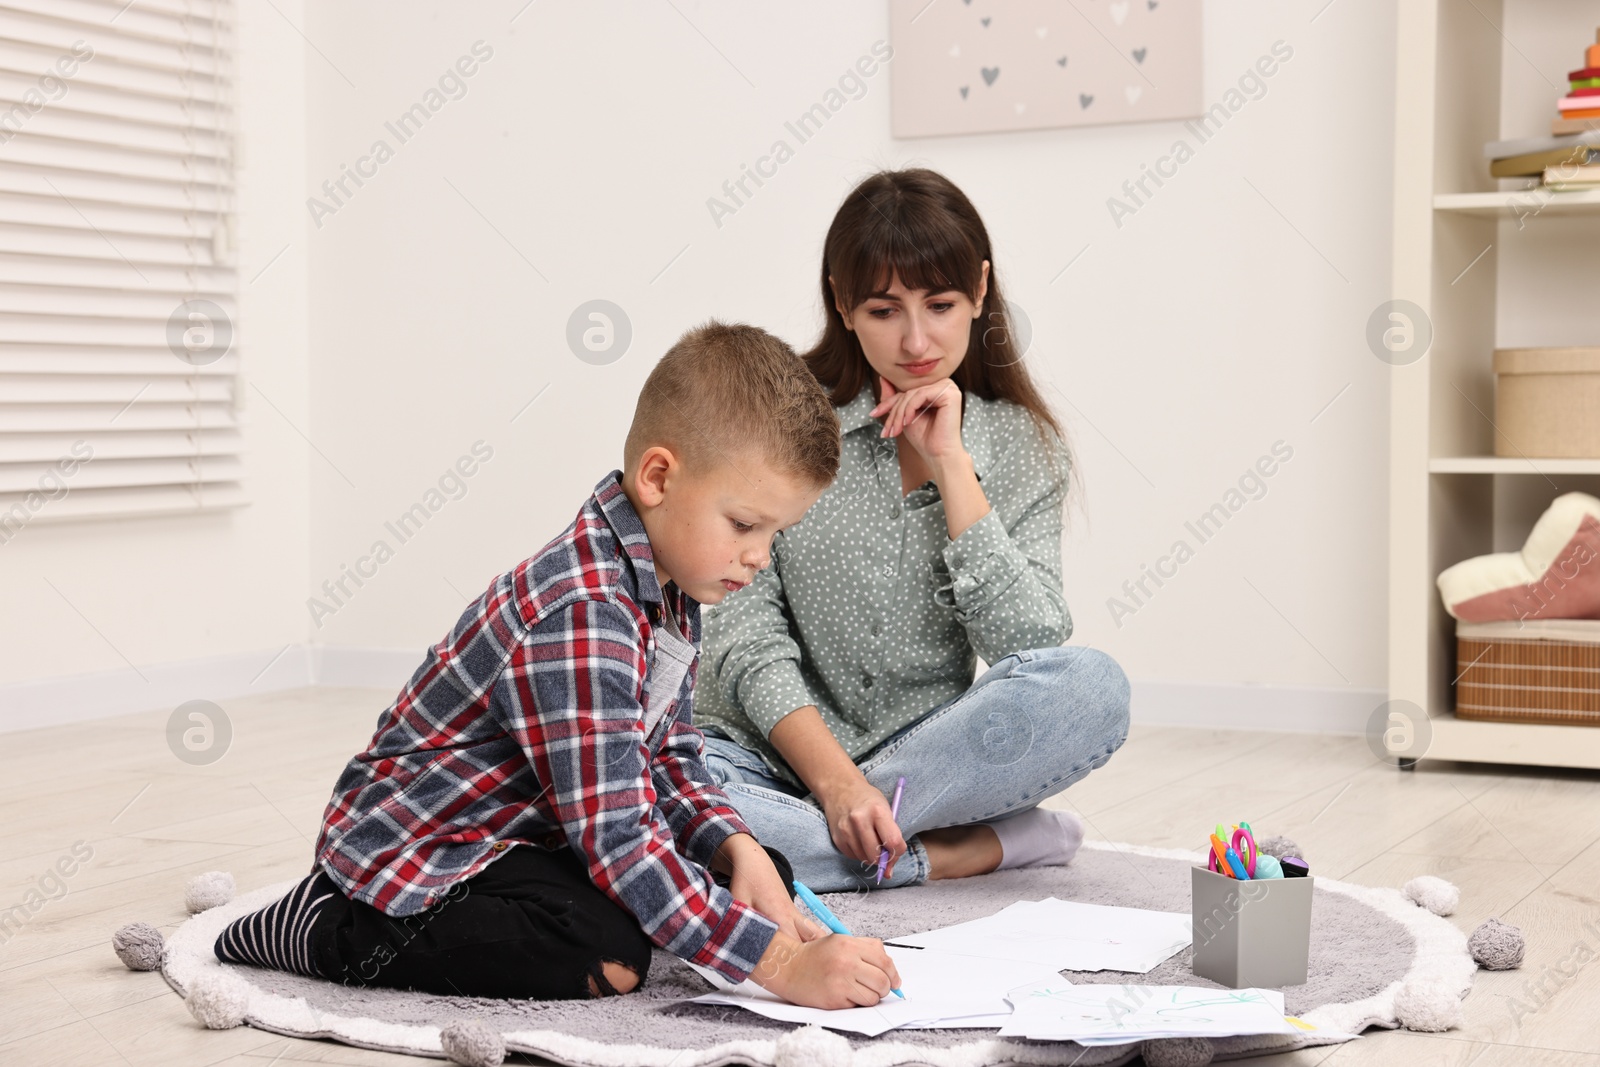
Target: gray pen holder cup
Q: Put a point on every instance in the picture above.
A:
(1251, 933)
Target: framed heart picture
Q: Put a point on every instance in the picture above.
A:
(985, 66)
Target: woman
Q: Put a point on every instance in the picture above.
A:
(848, 662)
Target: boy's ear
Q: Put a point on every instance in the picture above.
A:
(656, 467)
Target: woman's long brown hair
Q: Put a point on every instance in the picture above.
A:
(915, 224)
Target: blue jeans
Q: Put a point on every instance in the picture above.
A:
(1030, 726)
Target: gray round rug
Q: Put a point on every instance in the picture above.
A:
(1366, 943)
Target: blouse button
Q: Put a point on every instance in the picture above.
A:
(499, 846)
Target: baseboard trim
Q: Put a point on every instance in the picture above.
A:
(353, 665)
(1243, 706)
(102, 694)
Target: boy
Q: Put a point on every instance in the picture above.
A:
(532, 813)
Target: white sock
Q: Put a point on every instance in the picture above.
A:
(1038, 837)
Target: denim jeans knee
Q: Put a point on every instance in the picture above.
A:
(1099, 688)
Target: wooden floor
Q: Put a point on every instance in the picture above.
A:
(1521, 844)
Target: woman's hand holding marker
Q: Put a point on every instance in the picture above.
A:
(861, 822)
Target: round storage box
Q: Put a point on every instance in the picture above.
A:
(1547, 402)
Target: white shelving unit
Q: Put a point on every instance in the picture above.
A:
(1515, 204)
(1450, 496)
(1512, 465)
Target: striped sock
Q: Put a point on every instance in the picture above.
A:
(279, 935)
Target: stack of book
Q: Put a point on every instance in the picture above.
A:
(1554, 159)
(1569, 159)
(1574, 177)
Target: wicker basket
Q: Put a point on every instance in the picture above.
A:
(1545, 671)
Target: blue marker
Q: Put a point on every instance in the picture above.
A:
(1240, 871)
(829, 919)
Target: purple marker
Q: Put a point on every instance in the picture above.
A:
(894, 813)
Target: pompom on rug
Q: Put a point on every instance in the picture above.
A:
(1373, 951)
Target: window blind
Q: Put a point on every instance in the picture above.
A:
(118, 352)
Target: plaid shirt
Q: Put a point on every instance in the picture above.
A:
(525, 726)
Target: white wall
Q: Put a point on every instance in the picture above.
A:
(1220, 318)
(217, 588)
(1225, 315)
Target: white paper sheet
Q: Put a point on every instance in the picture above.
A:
(943, 990)
(964, 991)
(1066, 935)
(1117, 1014)
(871, 1022)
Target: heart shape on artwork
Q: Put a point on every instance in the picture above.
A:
(1061, 62)
(1119, 11)
(989, 74)
(1152, 4)
(1085, 99)
(984, 20)
(1138, 53)
(1133, 93)
(964, 92)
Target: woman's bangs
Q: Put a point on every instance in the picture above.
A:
(932, 261)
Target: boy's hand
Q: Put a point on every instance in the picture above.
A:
(831, 972)
(753, 880)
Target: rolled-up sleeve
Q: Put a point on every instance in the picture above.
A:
(579, 675)
(751, 651)
(1003, 574)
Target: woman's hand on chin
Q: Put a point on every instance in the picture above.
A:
(927, 416)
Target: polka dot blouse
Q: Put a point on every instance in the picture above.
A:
(870, 611)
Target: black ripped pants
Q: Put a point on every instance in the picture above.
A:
(531, 925)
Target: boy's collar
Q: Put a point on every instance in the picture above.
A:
(630, 531)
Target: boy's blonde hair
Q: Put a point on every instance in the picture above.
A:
(726, 390)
